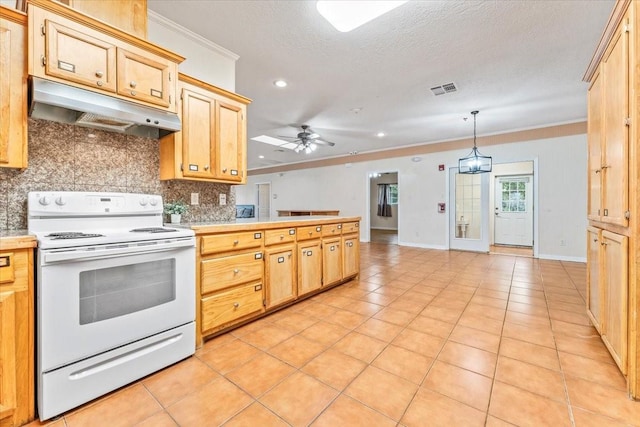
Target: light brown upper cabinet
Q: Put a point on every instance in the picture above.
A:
(212, 143)
(608, 133)
(128, 15)
(13, 87)
(70, 47)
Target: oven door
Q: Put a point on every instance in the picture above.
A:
(91, 300)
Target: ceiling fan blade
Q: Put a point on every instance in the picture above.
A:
(323, 142)
(285, 136)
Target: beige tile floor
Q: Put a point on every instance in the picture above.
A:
(423, 338)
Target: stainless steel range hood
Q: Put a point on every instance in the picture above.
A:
(68, 104)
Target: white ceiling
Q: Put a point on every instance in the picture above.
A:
(520, 62)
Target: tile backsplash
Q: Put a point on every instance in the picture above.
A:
(71, 158)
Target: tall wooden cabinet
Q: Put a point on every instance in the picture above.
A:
(613, 258)
(13, 87)
(212, 143)
(17, 340)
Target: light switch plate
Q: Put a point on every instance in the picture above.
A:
(223, 199)
(195, 198)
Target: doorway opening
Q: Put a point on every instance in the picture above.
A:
(383, 207)
(263, 199)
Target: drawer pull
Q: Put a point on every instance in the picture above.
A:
(281, 237)
(99, 83)
(133, 84)
(133, 93)
(206, 167)
(310, 233)
(236, 304)
(236, 271)
(235, 242)
(5, 261)
(99, 74)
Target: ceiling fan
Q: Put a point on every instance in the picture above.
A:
(308, 140)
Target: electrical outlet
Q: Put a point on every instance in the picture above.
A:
(195, 198)
(223, 199)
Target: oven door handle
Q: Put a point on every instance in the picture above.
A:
(85, 254)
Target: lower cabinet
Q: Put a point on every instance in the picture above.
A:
(350, 255)
(616, 296)
(608, 290)
(309, 266)
(332, 260)
(280, 274)
(244, 272)
(17, 397)
(594, 288)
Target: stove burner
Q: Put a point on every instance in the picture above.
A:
(63, 235)
(153, 230)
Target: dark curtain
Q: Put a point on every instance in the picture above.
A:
(384, 193)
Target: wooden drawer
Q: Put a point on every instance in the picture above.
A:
(7, 267)
(309, 232)
(350, 227)
(331, 230)
(230, 242)
(282, 235)
(229, 271)
(226, 306)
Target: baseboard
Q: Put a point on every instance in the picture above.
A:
(423, 246)
(562, 258)
(384, 228)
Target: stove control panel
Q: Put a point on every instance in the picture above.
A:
(74, 203)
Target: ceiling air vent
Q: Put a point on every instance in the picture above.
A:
(445, 88)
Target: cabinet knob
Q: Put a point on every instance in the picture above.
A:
(224, 170)
(99, 83)
(597, 170)
(133, 84)
(310, 233)
(603, 243)
(236, 271)
(236, 304)
(99, 74)
(206, 167)
(281, 237)
(595, 240)
(133, 93)
(235, 242)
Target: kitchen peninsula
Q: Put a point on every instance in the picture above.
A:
(251, 267)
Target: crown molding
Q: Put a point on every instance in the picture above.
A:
(197, 38)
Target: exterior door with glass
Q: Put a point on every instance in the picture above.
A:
(513, 211)
(468, 212)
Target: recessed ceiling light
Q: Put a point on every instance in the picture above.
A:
(348, 15)
(380, 134)
(416, 159)
(261, 156)
(280, 83)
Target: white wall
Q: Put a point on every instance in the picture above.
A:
(382, 222)
(205, 60)
(561, 197)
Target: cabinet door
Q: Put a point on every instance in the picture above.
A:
(72, 54)
(615, 70)
(230, 141)
(350, 256)
(615, 315)
(332, 261)
(309, 266)
(17, 337)
(198, 125)
(594, 139)
(280, 275)
(594, 287)
(144, 76)
(13, 87)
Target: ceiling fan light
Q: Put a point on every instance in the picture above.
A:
(347, 15)
(308, 150)
(313, 147)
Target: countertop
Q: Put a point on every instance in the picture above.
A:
(16, 239)
(250, 224)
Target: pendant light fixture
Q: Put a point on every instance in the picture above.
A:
(474, 162)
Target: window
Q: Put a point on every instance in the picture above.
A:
(393, 194)
(513, 195)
